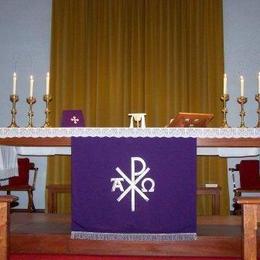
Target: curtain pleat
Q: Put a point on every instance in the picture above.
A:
(113, 57)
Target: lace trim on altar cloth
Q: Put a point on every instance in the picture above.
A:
(133, 236)
(131, 132)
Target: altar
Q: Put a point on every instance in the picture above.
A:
(222, 142)
(228, 142)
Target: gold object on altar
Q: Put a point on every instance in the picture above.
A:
(224, 99)
(47, 99)
(242, 100)
(257, 98)
(30, 101)
(14, 99)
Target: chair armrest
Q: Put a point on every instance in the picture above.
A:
(8, 198)
(248, 190)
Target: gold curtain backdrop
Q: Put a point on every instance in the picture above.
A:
(113, 57)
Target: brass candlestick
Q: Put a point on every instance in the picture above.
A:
(13, 99)
(257, 98)
(47, 99)
(30, 101)
(242, 100)
(224, 99)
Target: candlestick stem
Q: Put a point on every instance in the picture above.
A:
(14, 99)
(224, 99)
(257, 98)
(47, 99)
(30, 101)
(242, 100)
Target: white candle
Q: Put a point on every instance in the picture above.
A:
(31, 86)
(14, 83)
(242, 85)
(225, 84)
(47, 83)
(258, 82)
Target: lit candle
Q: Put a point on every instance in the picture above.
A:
(47, 83)
(225, 84)
(14, 83)
(31, 86)
(242, 85)
(258, 82)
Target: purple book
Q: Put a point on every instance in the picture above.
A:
(72, 118)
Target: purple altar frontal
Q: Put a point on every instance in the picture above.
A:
(133, 188)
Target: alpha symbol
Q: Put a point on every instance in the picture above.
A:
(147, 184)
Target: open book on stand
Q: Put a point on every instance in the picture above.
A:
(190, 120)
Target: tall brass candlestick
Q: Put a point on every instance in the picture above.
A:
(47, 99)
(30, 101)
(242, 100)
(257, 98)
(13, 99)
(224, 99)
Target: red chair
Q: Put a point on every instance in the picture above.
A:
(249, 179)
(21, 182)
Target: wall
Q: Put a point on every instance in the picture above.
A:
(242, 57)
(24, 48)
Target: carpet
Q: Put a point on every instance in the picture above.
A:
(84, 257)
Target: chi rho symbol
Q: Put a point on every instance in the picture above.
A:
(147, 184)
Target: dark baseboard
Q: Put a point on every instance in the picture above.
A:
(26, 210)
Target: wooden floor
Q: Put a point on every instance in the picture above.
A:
(50, 233)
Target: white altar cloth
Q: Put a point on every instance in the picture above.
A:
(131, 132)
(135, 132)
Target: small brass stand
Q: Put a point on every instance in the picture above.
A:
(47, 99)
(30, 101)
(14, 99)
(224, 99)
(257, 98)
(242, 100)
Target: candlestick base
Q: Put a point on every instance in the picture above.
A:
(257, 98)
(13, 125)
(14, 99)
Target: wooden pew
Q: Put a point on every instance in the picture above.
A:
(4, 224)
(251, 216)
